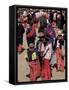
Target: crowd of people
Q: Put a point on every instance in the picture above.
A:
(45, 37)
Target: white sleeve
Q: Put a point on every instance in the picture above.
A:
(49, 52)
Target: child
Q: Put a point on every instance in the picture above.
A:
(33, 61)
(46, 60)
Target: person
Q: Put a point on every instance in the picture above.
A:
(51, 16)
(60, 20)
(43, 19)
(53, 58)
(49, 31)
(25, 22)
(55, 27)
(31, 32)
(26, 26)
(40, 45)
(33, 61)
(19, 37)
(46, 75)
(58, 51)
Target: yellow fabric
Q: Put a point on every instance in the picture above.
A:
(34, 56)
